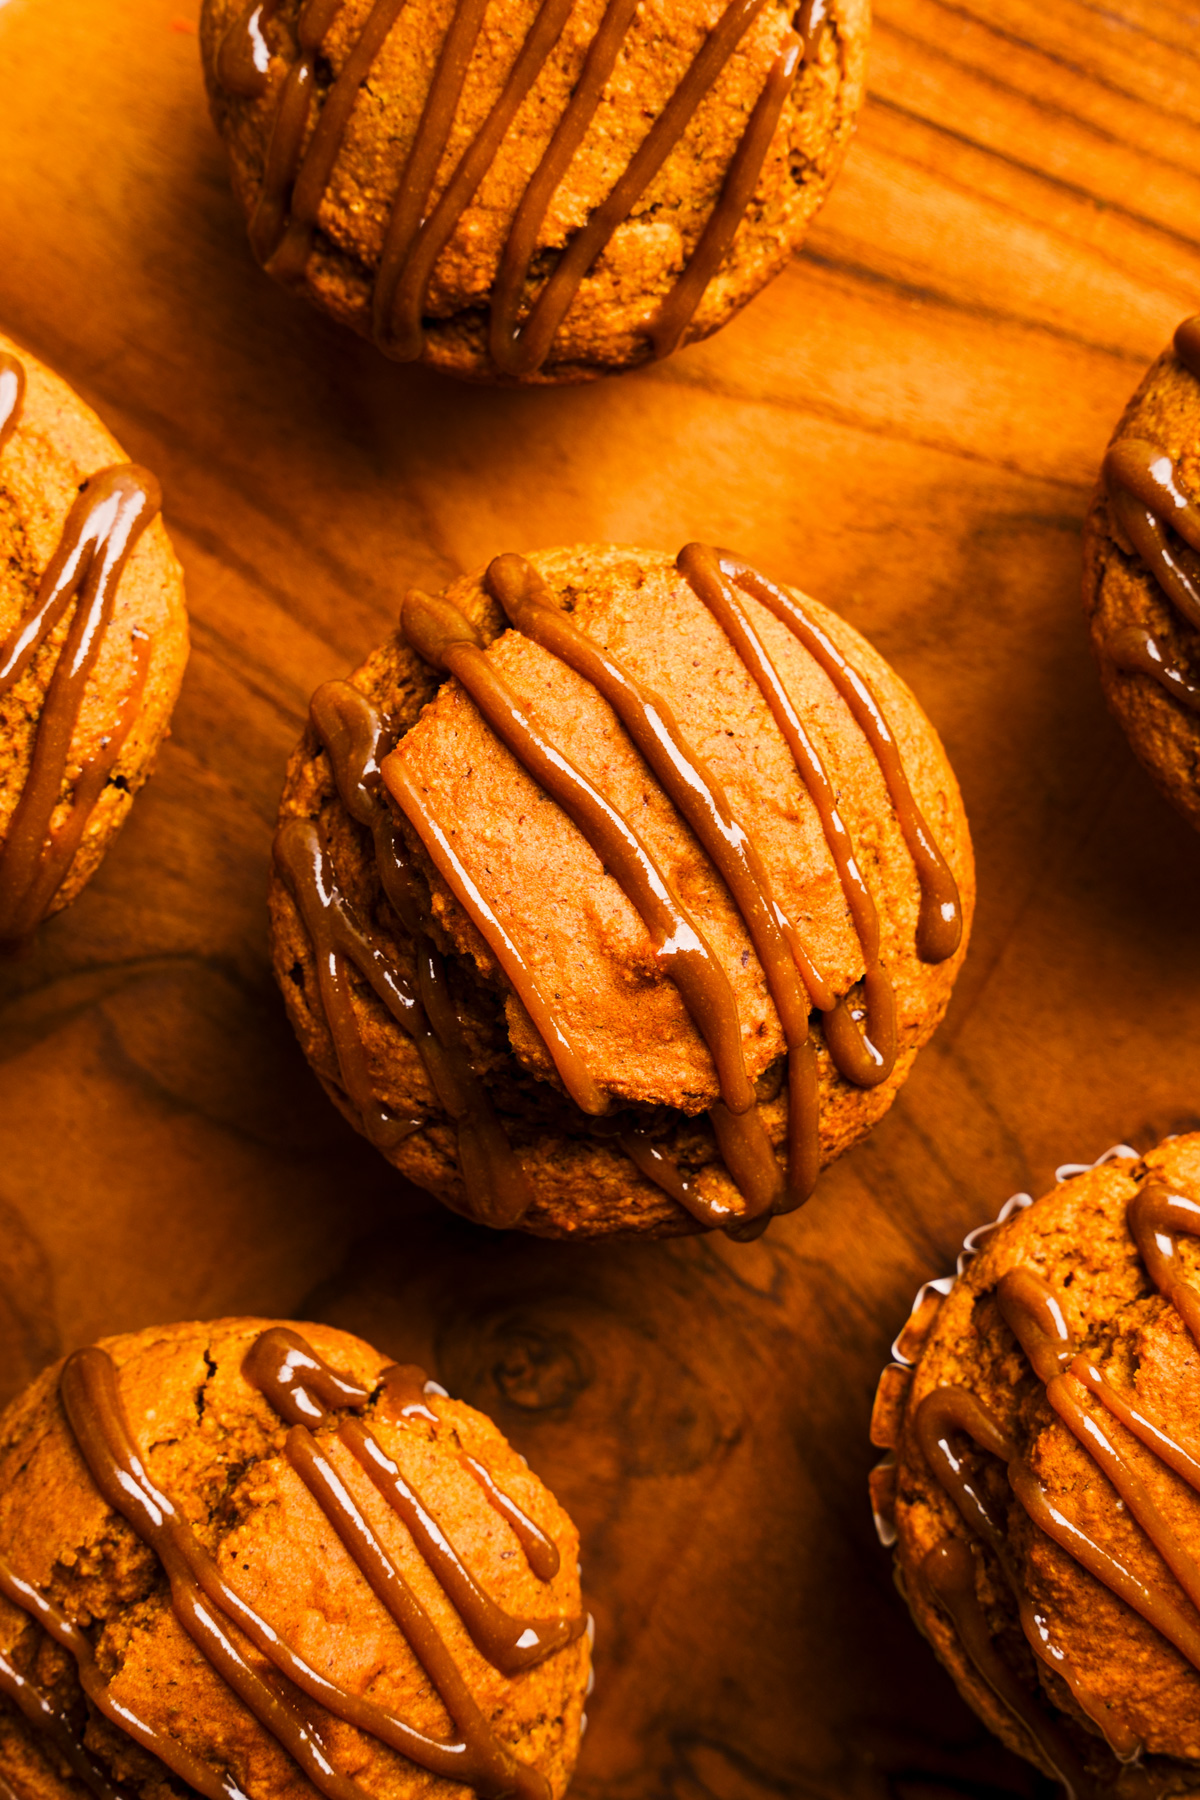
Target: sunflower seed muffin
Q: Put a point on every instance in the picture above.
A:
(518, 192)
(255, 1559)
(1042, 1484)
(616, 892)
(93, 640)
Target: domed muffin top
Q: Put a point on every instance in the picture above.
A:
(356, 1581)
(92, 636)
(567, 183)
(665, 811)
(1047, 1491)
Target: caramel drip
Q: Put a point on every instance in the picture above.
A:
(540, 1552)
(101, 532)
(955, 1409)
(353, 734)
(1156, 1218)
(47, 1721)
(939, 924)
(212, 1783)
(300, 164)
(305, 1391)
(1034, 1313)
(681, 304)
(865, 1058)
(447, 640)
(1149, 504)
(1138, 652)
(949, 1571)
(700, 798)
(243, 56)
(12, 395)
(659, 1167)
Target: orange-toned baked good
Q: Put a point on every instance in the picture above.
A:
(532, 190)
(1142, 572)
(1043, 1477)
(255, 1560)
(616, 891)
(93, 639)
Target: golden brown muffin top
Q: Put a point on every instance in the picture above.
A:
(214, 1508)
(1142, 570)
(92, 637)
(569, 184)
(657, 810)
(1046, 1475)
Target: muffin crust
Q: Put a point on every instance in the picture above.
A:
(1091, 1520)
(589, 1162)
(79, 522)
(246, 1514)
(1142, 572)
(587, 152)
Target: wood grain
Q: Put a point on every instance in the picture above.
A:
(907, 424)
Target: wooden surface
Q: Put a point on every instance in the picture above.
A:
(907, 424)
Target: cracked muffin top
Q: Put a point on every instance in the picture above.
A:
(93, 639)
(250, 1560)
(1142, 572)
(1043, 1476)
(520, 191)
(616, 892)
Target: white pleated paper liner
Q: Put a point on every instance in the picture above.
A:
(972, 1244)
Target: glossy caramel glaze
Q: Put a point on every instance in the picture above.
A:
(1083, 1399)
(864, 1053)
(316, 1403)
(100, 534)
(1155, 514)
(300, 162)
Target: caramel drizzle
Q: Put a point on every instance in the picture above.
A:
(101, 532)
(1032, 1310)
(445, 638)
(353, 733)
(298, 173)
(1148, 503)
(310, 1397)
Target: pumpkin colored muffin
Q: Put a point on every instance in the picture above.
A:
(1042, 1485)
(254, 1559)
(616, 892)
(93, 640)
(1142, 572)
(532, 190)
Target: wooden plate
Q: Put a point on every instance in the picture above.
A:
(907, 425)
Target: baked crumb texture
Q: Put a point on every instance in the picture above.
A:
(1142, 572)
(247, 1558)
(1043, 1476)
(93, 640)
(521, 191)
(539, 1027)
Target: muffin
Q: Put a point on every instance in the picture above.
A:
(1042, 1485)
(1142, 572)
(525, 192)
(254, 1559)
(615, 893)
(93, 640)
